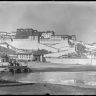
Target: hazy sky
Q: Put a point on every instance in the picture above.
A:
(67, 18)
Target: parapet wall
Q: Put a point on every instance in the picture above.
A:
(72, 61)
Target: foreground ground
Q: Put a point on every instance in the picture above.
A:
(52, 89)
(47, 89)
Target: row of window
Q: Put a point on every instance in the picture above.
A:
(24, 56)
(8, 36)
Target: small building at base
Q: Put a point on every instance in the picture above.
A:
(39, 55)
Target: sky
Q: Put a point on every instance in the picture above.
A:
(64, 18)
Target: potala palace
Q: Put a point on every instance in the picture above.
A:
(64, 49)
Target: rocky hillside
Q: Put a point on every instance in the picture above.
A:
(6, 51)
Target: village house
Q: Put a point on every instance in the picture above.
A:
(29, 56)
(3, 33)
(11, 56)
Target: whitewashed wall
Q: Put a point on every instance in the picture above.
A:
(72, 61)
